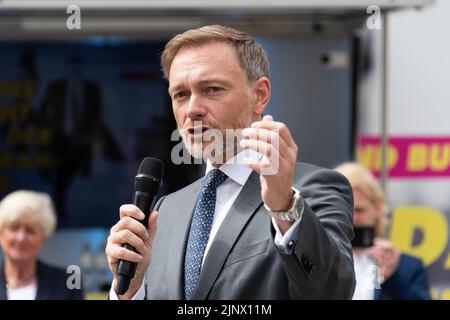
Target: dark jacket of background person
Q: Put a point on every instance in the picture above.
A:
(409, 282)
(52, 284)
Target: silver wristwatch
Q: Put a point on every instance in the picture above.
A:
(294, 213)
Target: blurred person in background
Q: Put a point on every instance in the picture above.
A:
(71, 108)
(382, 271)
(27, 220)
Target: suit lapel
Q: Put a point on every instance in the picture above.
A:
(44, 282)
(243, 208)
(178, 240)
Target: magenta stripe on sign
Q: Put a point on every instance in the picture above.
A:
(423, 157)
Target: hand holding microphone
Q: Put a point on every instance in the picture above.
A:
(129, 244)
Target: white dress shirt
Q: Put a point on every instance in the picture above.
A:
(23, 293)
(366, 273)
(227, 192)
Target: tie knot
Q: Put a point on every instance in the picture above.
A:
(214, 178)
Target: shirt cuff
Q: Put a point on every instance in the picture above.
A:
(139, 295)
(285, 243)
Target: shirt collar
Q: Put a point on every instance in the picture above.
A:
(235, 168)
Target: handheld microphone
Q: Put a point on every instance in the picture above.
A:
(146, 186)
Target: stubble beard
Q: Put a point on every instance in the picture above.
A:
(230, 145)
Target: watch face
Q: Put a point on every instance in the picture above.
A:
(295, 214)
(292, 215)
(299, 207)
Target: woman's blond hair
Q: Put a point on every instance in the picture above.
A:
(362, 180)
(36, 207)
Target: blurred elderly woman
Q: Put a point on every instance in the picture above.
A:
(27, 220)
(382, 271)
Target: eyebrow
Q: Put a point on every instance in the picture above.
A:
(203, 82)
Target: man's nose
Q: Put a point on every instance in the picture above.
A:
(196, 109)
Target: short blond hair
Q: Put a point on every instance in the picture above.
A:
(37, 207)
(362, 180)
(252, 57)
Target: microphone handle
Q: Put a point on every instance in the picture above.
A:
(127, 269)
(143, 201)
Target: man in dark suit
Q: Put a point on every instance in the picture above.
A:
(259, 225)
(72, 108)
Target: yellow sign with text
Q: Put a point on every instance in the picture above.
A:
(433, 244)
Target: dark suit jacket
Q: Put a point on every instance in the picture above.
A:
(243, 261)
(88, 125)
(54, 101)
(79, 143)
(51, 284)
(409, 282)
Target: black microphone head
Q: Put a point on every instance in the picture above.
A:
(146, 185)
(152, 166)
(150, 173)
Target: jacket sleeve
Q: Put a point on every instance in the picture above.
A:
(321, 263)
(409, 281)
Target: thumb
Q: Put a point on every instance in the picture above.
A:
(267, 118)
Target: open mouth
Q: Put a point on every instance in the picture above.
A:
(197, 132)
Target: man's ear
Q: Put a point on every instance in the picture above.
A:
(261, 93)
